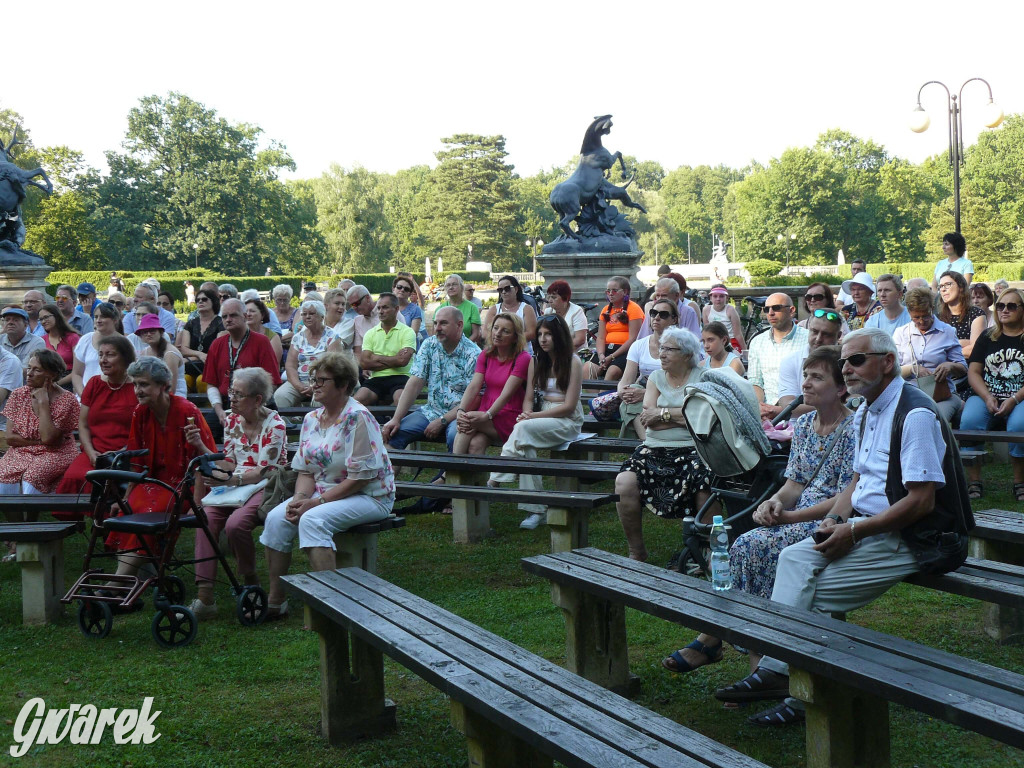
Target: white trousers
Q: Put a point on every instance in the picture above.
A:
(318, 525)
(807, 580)
(530, 435)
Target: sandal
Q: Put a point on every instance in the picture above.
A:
(274, 612)
(679, 665)
(1018, 491)
(778, 716)
(759, 684)
(975, 491)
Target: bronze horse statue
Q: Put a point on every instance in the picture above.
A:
(589, 180)
(13, 181)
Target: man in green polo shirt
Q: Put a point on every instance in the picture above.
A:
(387, 352)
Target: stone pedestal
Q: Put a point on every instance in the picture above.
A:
(588, 273)
(14, 281)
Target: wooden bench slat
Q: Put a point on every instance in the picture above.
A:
(819, 645)
(26, 532)
(486, 464)
(570, 499)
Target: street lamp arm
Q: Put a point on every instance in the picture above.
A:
(971, 80)
(934, 82)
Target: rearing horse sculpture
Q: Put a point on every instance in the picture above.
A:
(13, 181)
(589, 178)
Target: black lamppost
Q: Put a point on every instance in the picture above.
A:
(535, 242)
(787, 240)
(919, 122)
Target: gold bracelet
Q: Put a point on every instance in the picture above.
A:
(853, 529)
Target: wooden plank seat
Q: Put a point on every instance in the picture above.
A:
(592, 447)
(599, 385)
(472, 470)
(988, 580)
(998, 536)
(846, 674)
(568, 511)
(515, 708)
(41, 557)
(356, 547)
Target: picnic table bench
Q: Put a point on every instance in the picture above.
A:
(846, 674)
(516, 709)
(41, 557)
(998, 536)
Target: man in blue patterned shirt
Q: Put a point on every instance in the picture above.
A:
(445, 364)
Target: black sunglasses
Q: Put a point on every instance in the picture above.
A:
(117, 303)
(859, 359)
(663, 314)
(828, 314)
(814, 297)
(1009, 306)
(506, 289)
(777, 308)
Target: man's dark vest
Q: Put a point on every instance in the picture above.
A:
(939, 539)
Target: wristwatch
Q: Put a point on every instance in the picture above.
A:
(665, 415)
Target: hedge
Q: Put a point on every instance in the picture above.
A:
(174, 282)
(986, 273)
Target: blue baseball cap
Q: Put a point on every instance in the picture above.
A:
(86, 288)
(14, 311)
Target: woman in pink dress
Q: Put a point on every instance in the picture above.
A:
(501, 372)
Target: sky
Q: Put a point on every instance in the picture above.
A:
(379, 84)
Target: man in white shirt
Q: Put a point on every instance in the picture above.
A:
(767, 349)
(823, 328)
(16, 339)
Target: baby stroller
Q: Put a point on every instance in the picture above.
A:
(101, 594)
(746, 471)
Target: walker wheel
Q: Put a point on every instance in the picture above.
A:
(174, 626)
(683, 561)
(252, 606)
(173, 592)
(95, 618)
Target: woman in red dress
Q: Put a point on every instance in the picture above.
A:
(174, 431)
(107, 403)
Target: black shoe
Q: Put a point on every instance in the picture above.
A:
(758, 685)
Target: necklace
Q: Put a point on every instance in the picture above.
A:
(826, 429)
(119, 386)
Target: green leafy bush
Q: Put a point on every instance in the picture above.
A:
(763, 268)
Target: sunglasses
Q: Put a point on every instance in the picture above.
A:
(814, 297)
(1009, 306)
(828, 314)
(778, 308)
(660, 314)
(117, 303)
(506, 289)
(857, 360)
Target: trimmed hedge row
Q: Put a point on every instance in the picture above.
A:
(174, 281)
(985, 273)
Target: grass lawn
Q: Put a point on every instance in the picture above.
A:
(244, 697)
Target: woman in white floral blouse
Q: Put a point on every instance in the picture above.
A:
(345, 477)
(254, 438)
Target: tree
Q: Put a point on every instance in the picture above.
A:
(470, 202)
(191, 185)
(351, 216)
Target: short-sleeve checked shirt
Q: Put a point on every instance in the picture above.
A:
(446, 375)
(921, 449)
(765, 358)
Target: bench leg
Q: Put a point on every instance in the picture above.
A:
(1003, 624)
(568, 528)
(567, 484)
(352, 702)
(846, 728)
(595, 640)
(471, 520)
(42, 581)
(356, 550)
(490, 747)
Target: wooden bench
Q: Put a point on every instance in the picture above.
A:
(471, 520)
(41, 557)
(516, 709)
(845, 674)
(998, 536)
(592, 447)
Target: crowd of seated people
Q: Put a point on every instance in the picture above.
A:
(340, 351)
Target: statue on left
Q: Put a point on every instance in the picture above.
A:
(13, 183)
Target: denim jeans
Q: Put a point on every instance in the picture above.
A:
(976, 416)
(413, 427)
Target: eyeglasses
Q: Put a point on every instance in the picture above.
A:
(234, 394)
(117, 303)
(777, 308)
(401, 288)
(321, 380)
(828, 314)
(1009, 306)
(202, 298)
(506, 289)
(612, 291)
(669, 349)
(946, 286)
(62, 299)
(662, 314)
(224, 297)
(857, 360)
(814, 297)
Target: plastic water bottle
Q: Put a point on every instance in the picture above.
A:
(721, 576)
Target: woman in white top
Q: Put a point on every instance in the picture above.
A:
(721, 311)
(719, 352)
(643, 359)
(510, 299)
(106, 322)
(558, 302)
(555, 377)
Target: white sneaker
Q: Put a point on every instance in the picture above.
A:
(202, 610)
(533, 520)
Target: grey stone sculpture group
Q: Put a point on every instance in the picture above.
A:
(13, 183)
(586, 198)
